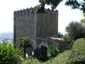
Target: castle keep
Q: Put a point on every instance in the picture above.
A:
(37, 26)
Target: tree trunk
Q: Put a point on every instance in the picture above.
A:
(24, 51)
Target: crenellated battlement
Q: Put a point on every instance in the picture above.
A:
(30, 11)
(24, 12)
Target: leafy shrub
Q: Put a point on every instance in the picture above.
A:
(8, 54)
(42, 53)
(78, 51)
(68, 42)
(53, 50)
(62, 58)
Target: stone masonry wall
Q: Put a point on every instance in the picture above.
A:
(28, 23)
(47, 24)
(24, 24)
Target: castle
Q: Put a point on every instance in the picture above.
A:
(37, 26)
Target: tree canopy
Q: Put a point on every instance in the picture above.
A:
(76, 30)
(75, 4)
(53, 3)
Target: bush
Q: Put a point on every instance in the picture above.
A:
(78, 51)
(44, 52)
(62, 58)
(8, 54)
(68, 42)
(53, 50)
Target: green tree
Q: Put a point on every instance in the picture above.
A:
(75, 30)
(24, 42)
(53, 3)
(75, 4)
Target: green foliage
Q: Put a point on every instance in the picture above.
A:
(67, 38)
(76, 30)
(24, 42)
(78, 51)
(76, 4)
(73, 3)
(68, 41)
(8, 54)
(53, 3)
(53, 50)
(79, 45)
(62, 58)
(40, 10)
(74, 56)
(45, 53)
(59, 35)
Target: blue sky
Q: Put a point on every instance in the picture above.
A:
(7, 7)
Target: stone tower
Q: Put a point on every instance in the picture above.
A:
(37, 26)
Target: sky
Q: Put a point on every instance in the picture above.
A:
(7, 8)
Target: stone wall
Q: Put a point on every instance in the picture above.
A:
(47, 24)
(28, 23)
(24, 24)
